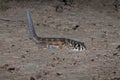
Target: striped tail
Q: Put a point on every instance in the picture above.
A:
(31, 29)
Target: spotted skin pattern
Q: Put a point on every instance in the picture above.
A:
(46, 42)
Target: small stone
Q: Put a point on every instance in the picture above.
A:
(27, 51)
(59, 8)
(92, 60)
(116, 78)
(12, 45)
(74, 28)
(114, 54)
(32, 78)
(11, 69)
(58, 74)
(114, 72)
(38, 24)
(22, 56)
(4, 66)
(118, 47)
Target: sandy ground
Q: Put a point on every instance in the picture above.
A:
(99, 28)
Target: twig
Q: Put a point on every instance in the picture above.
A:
(5, 19)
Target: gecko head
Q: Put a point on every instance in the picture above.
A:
(78, 46)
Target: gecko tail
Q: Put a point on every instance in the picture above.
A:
(32, 33)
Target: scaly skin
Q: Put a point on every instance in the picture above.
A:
(53, 42)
